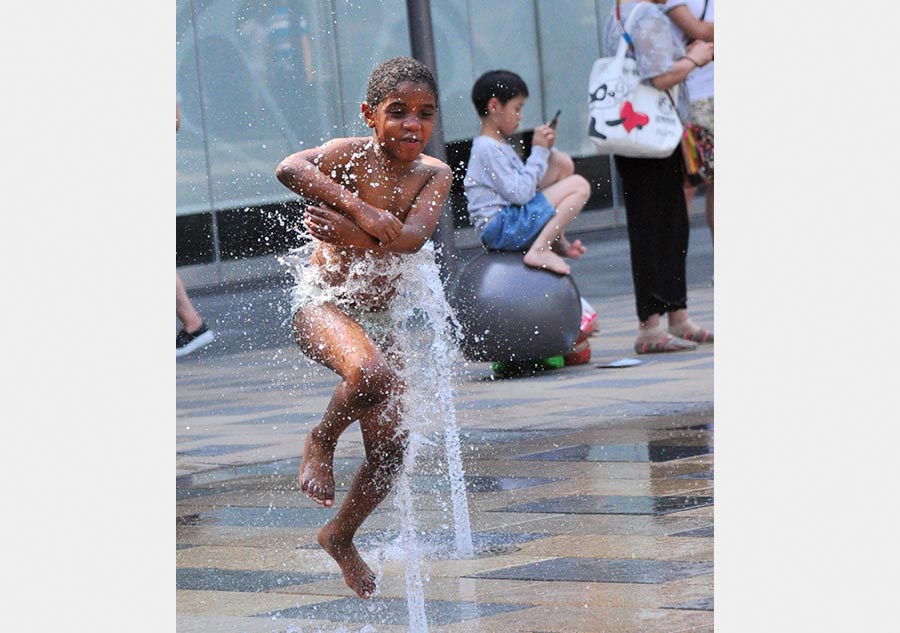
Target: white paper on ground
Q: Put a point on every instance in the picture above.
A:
(622, 362)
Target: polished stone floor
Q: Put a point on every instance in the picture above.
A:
(590, 494)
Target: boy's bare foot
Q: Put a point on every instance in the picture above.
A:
(572, 250)
(547, 260)
(358, 576)
(317, 471)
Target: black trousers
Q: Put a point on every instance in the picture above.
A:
(658, 231)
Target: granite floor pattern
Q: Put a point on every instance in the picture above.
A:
(590, 495)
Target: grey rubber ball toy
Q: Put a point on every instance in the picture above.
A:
(511, 312)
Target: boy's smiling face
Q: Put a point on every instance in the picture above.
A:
(404, 120)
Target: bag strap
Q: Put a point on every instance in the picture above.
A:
(675, 107)
(627, 26)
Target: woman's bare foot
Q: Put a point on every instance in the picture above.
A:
(572, 250)
(690, 332)
(317, 471)
(547, 260)
(358, 576)
(655, 341)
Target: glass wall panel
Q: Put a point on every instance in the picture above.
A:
(551, 44)
(569, 47)
(266, 83)
(503, 35)
(603, 9)
(191, 183)
(450, 20)
(368, 32)
(259, 80)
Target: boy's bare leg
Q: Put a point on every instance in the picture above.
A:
(567, 197)
(559, 166)
(330, 337)
(385, 446)
(541, 254)
(574, 190)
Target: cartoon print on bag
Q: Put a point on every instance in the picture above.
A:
(606, 99)
(664, 104)
(630, 119)
(666, 110)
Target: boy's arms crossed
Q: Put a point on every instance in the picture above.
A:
(316, 174)
(329, 226)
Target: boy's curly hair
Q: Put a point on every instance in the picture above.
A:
(391, 73)
(503, 84)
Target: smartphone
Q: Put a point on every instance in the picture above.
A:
(555, 120)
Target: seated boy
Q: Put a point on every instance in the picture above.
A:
(519, 206)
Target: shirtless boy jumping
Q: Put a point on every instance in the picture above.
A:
(371, 200)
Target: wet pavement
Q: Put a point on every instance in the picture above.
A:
(590, 489)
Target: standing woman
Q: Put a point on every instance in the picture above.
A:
(657, 216)
(695, 20)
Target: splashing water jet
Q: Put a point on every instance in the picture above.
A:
(427, 343)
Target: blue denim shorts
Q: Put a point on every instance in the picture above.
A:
(515, 228)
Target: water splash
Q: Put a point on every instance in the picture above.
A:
(434, 361)
(439, 373)
(426, 357)
(412, 552)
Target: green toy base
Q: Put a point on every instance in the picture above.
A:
(506, 368)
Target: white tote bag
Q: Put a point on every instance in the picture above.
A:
(628, 117)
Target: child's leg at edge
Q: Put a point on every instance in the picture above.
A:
(385, 446)
(330, 337)
(184, 309)
(568, 197)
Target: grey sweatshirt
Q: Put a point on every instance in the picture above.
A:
(496, 178)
